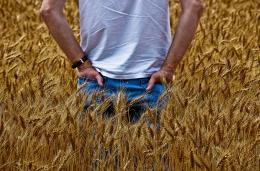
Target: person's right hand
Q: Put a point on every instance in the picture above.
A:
(88, 71)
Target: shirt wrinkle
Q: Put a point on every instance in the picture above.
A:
(122, 13)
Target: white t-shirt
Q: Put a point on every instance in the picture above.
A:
(125, 39)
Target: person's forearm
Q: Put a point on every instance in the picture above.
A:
(62, 33)
(185, 32)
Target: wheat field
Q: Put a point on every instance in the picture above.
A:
(211, 122)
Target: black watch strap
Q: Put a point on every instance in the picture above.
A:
(80, 62)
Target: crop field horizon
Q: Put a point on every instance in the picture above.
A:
(211, 122)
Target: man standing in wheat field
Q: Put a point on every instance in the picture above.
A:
(124, 44)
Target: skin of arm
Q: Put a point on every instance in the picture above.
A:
(185, 31)
(52, 13)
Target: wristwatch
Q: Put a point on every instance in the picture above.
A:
(79, 62)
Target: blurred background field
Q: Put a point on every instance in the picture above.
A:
(212, 121)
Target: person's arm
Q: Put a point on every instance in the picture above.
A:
(185, 31)
(52, 14)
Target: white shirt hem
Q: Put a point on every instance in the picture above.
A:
(125, 76)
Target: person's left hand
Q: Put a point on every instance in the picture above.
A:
(163, 75)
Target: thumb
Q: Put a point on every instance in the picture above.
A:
(151, 84)
(99, 79)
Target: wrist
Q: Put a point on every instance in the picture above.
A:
(85, 65)
(80, 62)
(167, 67)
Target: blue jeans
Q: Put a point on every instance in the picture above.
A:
(133, 88)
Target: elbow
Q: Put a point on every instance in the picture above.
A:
(47, 13)
(195, 7)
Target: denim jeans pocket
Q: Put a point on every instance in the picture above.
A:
(158, 87)
(144, 82)
(155, 94)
